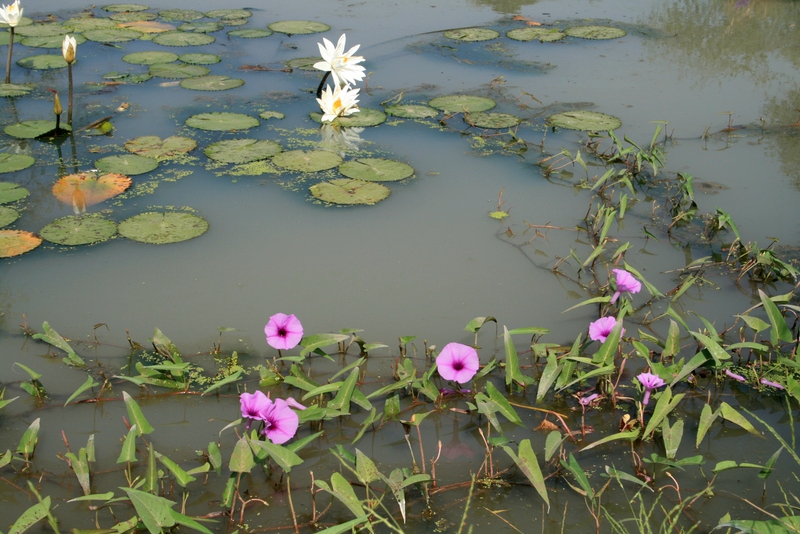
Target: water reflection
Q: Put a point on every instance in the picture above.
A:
(505, 6)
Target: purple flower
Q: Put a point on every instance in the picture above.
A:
(458, 362)
(731, 374)
(283, 331)
(601, 328)
(253, 404)
(626, 283)
(771, 383)
(586, 401)
(650, 382)
(280, 421)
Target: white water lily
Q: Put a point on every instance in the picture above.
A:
(343, 66)
(340, 102)
(68, 49)
(11, 14)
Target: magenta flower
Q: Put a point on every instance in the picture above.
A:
(253, 405)
(771, 383)
(731, 374)
(457, 362)
(650, 382)
(280, 422)
(283, 331)
(626, 283)
(601, 328)
(586, 401)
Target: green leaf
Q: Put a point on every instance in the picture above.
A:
(53, 338)
(317, 341)
(400, 384)
(502, 404)
(128, 452)
(155, 512)
(529, 465)
(600, 371)
(342, 399)
(90, 383)
(136, 416)
(151, 475)
(94, 497)
(552, 444)
(478, 322)
(188, 522)
(672, 436)
(347, 527)
(180, 475)
(697, 360)
(549, 375)
(666, 403)
(214, 456)
(342, 490)
(630, 435)
(27, 444)
(31, 516)
(366, 469)
(580, 476)
(730, 414)
(672, 345)
(621, 475)
(718, 353)
(779, 329)
(371, 418)
(242, 457)
(513, 372)
(80, 466)
(224, 382)
(707, 417)
(284, 457)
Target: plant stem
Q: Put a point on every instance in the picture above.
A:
(319, 88)
(10, 48)
(69, 100)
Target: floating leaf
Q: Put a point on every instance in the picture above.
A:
(127, 164)
(186, 15)
(177, 70)
(43, 62)
(87, 189)
(54, 41)
(15, 89)
(365, 117)
(8, 215)
(307, 161)
(347, 191)
(271, 115)
(151, 57)
(529, 33)
(49, 29)
(492, 120)
(376, 170)
(200, 27)
(584, 120)
(200, 59)
(148, 26)
(251, 33)
(303, 63)
(16, 242)
(242, 150)
(79, 230)
(15, 162)
(122, 8)
(298, 27)
(32, 129)
(163, 228)
(112, 35)
(82, 24)
(596, 32)
(222, 121)
(139, 16)
(11, 192)
(152, 146)
(412, 111)
(178, 38)
(211, 83)
(229, 14)
(462, 103)
(471, 34)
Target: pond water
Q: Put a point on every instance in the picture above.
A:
(723, 75)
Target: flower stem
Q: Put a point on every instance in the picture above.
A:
(319, 89)
(10, 48)
(69, 100)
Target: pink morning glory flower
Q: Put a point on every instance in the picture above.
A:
(283, 331)
(650, 382)
(280, 422)
(601, 328)
(771, 383)
(737, 377)
(457, 362)
(626, 283)
(586, 401)
(253, 404)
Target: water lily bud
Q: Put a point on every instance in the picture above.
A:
(56, 104)
(68, 49)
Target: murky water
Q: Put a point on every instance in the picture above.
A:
(428, 259)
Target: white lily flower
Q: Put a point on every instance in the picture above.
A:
(68, 49)
(343, 66)
(11, 14)
(340, 102)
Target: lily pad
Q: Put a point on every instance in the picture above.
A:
(222, 121)
(177, 70)
(229, 14)
(596, 32)
(492, 120)
(462, 103)
(211, 83)
(298, 27)
(200, 27)
(115, 35)
(32, 129)
(266, 115)
(307, 161)
(82, 24)
(471, 34)
(127, 164)
(348, 191)
(412, 111)
(147, 26)
(49, 29)
(152, 57)
(79, 230)
(152, 146)
(122, 8)
(186, 15)
(178, 38)
(138, 16)
(200, 59)
(15, 162)
(8, 215)
(43, 62)
(365, 117)
(242, 150)
(589, 121)
(303, 63)
(87, 189)
(162, 228)
(15, 89)
(252, 33)
(529, 33)
(16, 242)
(54, 41)
(10, 192)
(376, 170)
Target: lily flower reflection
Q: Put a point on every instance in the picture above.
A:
(339, 139)
(340, 102)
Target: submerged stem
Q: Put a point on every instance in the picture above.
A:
(69, 100)
(10, 48)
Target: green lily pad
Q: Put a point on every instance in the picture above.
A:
(127, 164)
(252, 33)
(200, 27)
(49, 29)
(348, 191)
(79, 230)
(115, 35)
(152, 57)
(15, 89)
(200, 59)
(242, 150)
(365, 117)
(412, 111)
(137, 16)
(178, 38)
(122, 8)
(43, 62)
(596, 32)
(529, 33)
(589, 121)
(234, 22)
(177, 70)
(124, 77)
(15, 162)
(303, 63)
(229, 14)
(32, 129)
(471, 34)
(462, 103)
(152, 146)
(211, 83)
(16, 242)
(298, 27)
(10, 192)
(162, 228)
(8, 215)
(307, 161)
(492, 120)
(271, 115)
(186, 15)
(376, 170)
(222, 121)
(54, 41)
(83, 24)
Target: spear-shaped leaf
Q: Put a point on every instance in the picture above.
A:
(54, 338)
(135, 415)
(529, 465)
